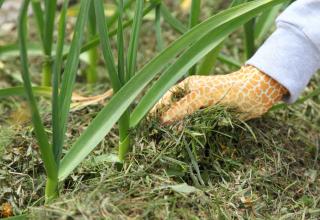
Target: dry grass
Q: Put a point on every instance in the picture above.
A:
(266, 168)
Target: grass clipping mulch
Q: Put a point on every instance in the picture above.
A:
(210, 165)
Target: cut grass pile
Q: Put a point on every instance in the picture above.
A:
(208, 166)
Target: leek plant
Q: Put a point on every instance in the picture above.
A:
(128, 82)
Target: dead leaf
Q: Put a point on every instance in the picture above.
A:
(183, 188)
(246, 201)
(79, 102)
(6, 210)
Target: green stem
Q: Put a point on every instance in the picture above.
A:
(92, 75)
(46, 73)
(40, 132)
(206, 67)
(52, 191)
(249, 29)
(160, 44)
(193, 21)
(93, 52)
(249, 38)
(124, 142)
(48, 28)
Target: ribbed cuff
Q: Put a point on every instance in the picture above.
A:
(289, 57)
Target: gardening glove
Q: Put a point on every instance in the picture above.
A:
(248, 90)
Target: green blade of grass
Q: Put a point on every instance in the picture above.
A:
(1, 2)
(39, 17)
(34, 49)
(57, 140)
(96, 41)
(124, 140)
(193, 21)
(50, 11)
(91, 72)
(249, 29)
(49, 18)
(160, 44)
(194, 13)
(71, 66)
(249, 37)
(172, 21)
(119, 103)
(206, 66)
(250, 47)
(114, 17)
(120, 45)
(265, 21)
(179, 27)
(208, 62)
(41, 135)
(134, 39)
(20, 91)
(106, 46)
(229, 61)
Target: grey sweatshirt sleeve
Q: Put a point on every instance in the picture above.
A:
(291, 55)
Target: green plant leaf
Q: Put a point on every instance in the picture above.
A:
(265, 21)
(69, 75)
(91, 71)
(57, 139)
(217, 26)
(172, 21)
(111, 20)
(34, 49)
(194, 13)
(229, 61)
(157, 19)
(106, 46)
(49, 13)
(120, 42)
(124, 139)
(193, 21)
(249, 40)
(41, 135)
(208, 62)
(134, 39)
(39, 17)
(19, 91)
(204, 68)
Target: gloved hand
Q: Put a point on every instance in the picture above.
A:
(248, 90)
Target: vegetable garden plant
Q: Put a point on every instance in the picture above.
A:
(195, 51)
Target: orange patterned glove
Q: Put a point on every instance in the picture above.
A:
(248, 90)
